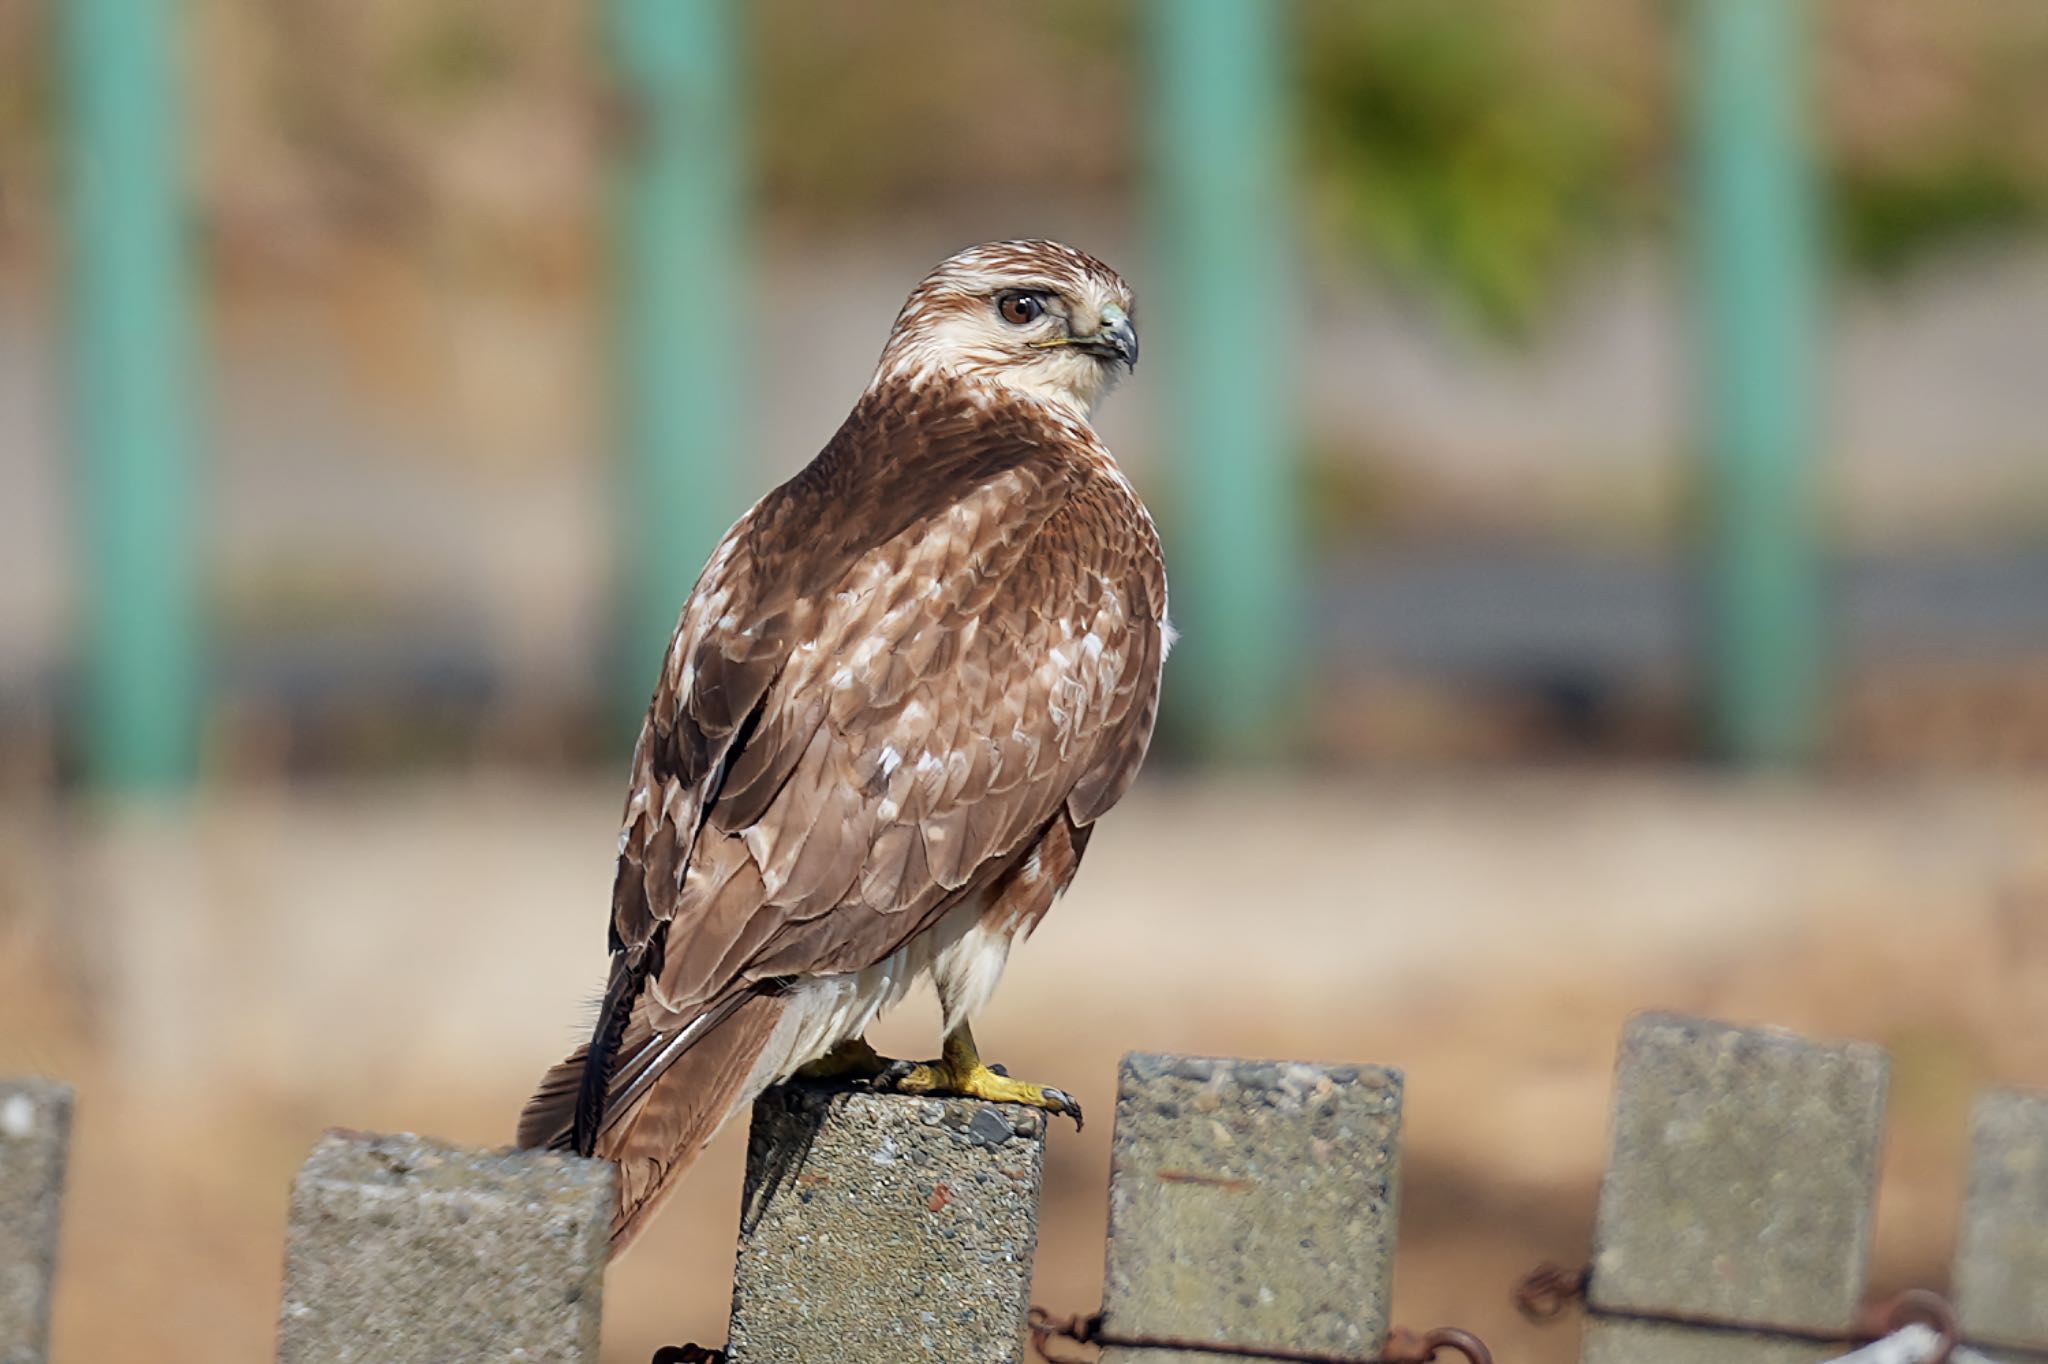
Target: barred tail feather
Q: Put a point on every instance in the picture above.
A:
(664, 1132)
(667, 1096)
(548, 1120)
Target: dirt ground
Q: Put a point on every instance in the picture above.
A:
(223, 983)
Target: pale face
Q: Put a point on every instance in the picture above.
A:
(1035, 317)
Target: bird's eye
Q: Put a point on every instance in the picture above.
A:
(1020, 307)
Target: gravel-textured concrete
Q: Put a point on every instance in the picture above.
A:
(1253, 1204)
(2001, 1272)
(403, 1251)
(882, 1229)
(1637, 1342)
(35, 1130)
(1740, 1181)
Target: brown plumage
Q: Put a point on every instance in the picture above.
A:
(905, 687)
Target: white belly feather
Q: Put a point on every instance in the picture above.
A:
(964, 959)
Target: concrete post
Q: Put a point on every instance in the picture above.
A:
(2001, 1272)
(1252, 1204)
(35, 1129)
(885, 1229)
(402, 1251)
(1739, 1189)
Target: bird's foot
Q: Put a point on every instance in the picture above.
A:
(979, 1082)
(962, 1073)
(850, 1060)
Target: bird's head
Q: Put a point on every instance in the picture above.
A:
(1034, 316)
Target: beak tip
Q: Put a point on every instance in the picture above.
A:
(1123, 339)
(1115, 339)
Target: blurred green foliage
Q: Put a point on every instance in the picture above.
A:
(457, 53)
(1888, 217)
(871, 109)
(1458, 153)
(1481, 152)
(1936, 127)
(1478, 152)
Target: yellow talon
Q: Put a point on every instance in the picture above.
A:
(962, 1072)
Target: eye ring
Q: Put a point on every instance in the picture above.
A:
(1020, 307)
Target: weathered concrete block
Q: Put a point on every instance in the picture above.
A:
(1740, 1182)
(879, 1229)
(35, 1132)
(2001, 1272)
(403, 1251)
(1252, 1204)
(1614, 1341)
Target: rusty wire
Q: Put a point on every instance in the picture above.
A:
(1929, 1309)
(1045, 1328)
(1403, 1346)
(1546, 1291)
(1410, 1347)
(1542, 1296)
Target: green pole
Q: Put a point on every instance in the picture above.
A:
(1223, 199)
(682, 305)
(132, 363)
(1758, 279)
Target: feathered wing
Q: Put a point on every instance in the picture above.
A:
(933, 650)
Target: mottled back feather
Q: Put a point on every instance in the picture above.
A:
(939, 633)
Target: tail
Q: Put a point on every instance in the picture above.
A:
(593, 1091)
(666, 1096)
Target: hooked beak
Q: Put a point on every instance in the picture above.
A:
(1114, 338)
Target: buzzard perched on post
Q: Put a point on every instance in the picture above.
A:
(906, 686)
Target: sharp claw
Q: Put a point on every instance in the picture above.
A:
(894, 1074)
(1001, 1070)
(1063, 1102)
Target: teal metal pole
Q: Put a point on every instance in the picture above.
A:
(682, 304)
(1759, 272)
(1224, 195)
(132, 370)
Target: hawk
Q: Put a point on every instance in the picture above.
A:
(904, 689)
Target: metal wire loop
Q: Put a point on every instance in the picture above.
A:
(1429, 1344)
(1929, 1309)
(1403, 1346)
(1546, 1291)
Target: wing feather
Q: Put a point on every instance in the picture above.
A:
(882, 691)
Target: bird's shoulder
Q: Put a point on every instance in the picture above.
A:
(942, 479)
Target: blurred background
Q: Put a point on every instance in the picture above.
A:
(1602, 447)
